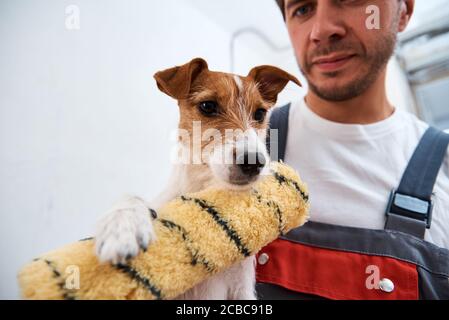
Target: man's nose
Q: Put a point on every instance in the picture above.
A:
(327, 25)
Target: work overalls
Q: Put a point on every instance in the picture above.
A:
(321, 260)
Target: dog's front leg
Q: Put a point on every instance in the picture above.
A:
(242, 280)
(125, 229)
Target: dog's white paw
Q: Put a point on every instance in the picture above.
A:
(125, 230)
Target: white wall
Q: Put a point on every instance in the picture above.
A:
(81, 119)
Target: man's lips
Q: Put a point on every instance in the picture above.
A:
(333, 62)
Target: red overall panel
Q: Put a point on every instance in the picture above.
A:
(336, 274)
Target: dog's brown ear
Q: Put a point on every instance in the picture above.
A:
(271, 80)
(176, 81)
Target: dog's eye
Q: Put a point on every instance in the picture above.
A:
(260, 114)
(209, 108)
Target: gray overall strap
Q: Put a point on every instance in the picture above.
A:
(410, 206)
(277, 134)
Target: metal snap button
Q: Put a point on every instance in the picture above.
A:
(263, 259)
(386, 285)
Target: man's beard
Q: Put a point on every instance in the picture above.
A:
(375, 60)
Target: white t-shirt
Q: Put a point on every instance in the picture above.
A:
(351, 169)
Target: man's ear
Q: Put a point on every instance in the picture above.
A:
(176, 82)
(405, 11)
(271, 80)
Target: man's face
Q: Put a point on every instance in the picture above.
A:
(336, 51)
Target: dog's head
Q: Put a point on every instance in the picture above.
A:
(223, 117)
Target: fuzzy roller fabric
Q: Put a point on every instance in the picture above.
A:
(198, 235)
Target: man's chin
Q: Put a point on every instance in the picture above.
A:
(336, 90)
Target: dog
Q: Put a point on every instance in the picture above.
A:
(220, 103)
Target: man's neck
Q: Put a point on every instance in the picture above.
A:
(370, 107)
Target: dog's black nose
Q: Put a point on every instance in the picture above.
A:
(251, 163)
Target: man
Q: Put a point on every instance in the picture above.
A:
(352, 146)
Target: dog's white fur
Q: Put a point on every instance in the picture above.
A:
(127, 227)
